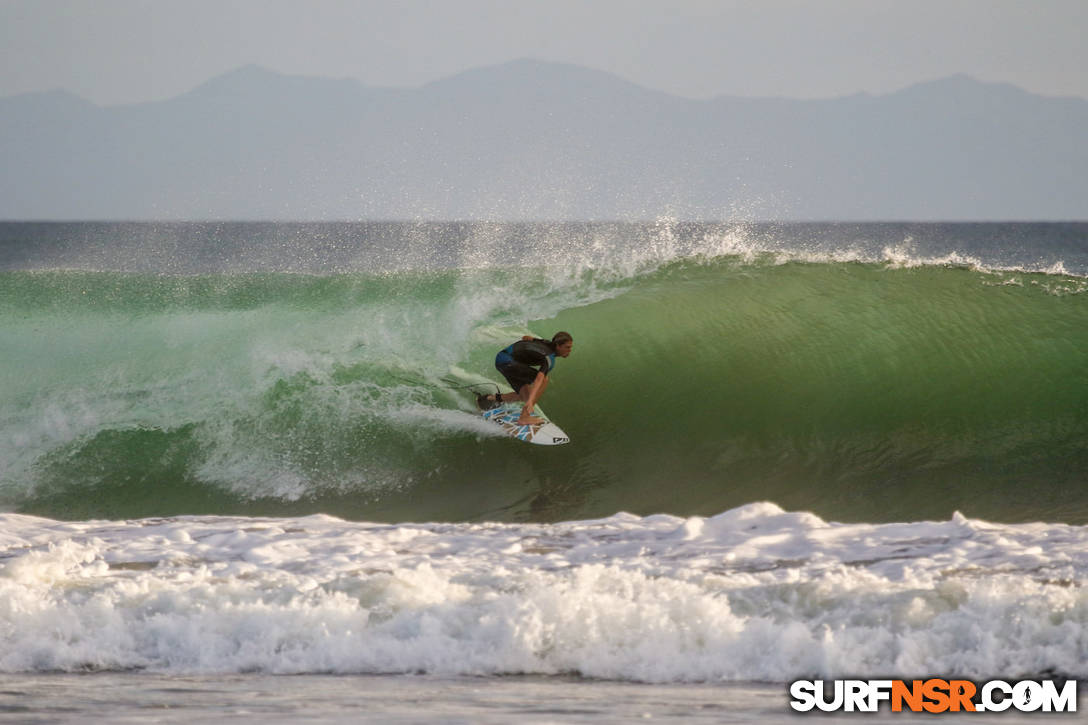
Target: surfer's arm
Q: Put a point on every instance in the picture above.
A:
(535, 392)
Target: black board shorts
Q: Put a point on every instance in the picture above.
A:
(517, 374)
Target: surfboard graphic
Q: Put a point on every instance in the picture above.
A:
(542, 434)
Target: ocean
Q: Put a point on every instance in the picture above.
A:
(240, 471)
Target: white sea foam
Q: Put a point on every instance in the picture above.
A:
(755, 593)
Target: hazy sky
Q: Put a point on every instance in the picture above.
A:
(121, 51)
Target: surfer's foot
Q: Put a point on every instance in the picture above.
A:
(529, 420)
(487, 402)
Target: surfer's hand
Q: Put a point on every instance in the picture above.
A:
(529, 420)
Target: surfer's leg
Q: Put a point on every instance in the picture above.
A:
(521, 378)
(527, 390)
(489, 400)
(501, 398)
(534, 392)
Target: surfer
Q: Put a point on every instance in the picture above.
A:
(526, 365)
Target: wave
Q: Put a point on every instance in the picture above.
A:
(708, 372)
(755, 593)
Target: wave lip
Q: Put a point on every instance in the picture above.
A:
(755, 593)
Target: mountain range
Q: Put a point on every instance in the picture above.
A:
(531, 140)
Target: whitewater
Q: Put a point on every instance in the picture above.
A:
(755, 593)
(230, 453)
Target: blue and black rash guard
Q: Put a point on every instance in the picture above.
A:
(536, 353)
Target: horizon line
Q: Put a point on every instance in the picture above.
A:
(526, 60)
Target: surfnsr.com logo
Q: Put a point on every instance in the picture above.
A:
(933, 695)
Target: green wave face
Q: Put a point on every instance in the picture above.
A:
(858, 391)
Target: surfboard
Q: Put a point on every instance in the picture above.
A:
(543, 434)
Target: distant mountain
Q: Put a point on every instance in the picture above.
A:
(534, 140)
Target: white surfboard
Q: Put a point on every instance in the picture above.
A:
(543, 434)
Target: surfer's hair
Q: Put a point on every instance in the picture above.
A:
(561, 338)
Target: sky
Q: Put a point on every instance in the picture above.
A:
(128, 51)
